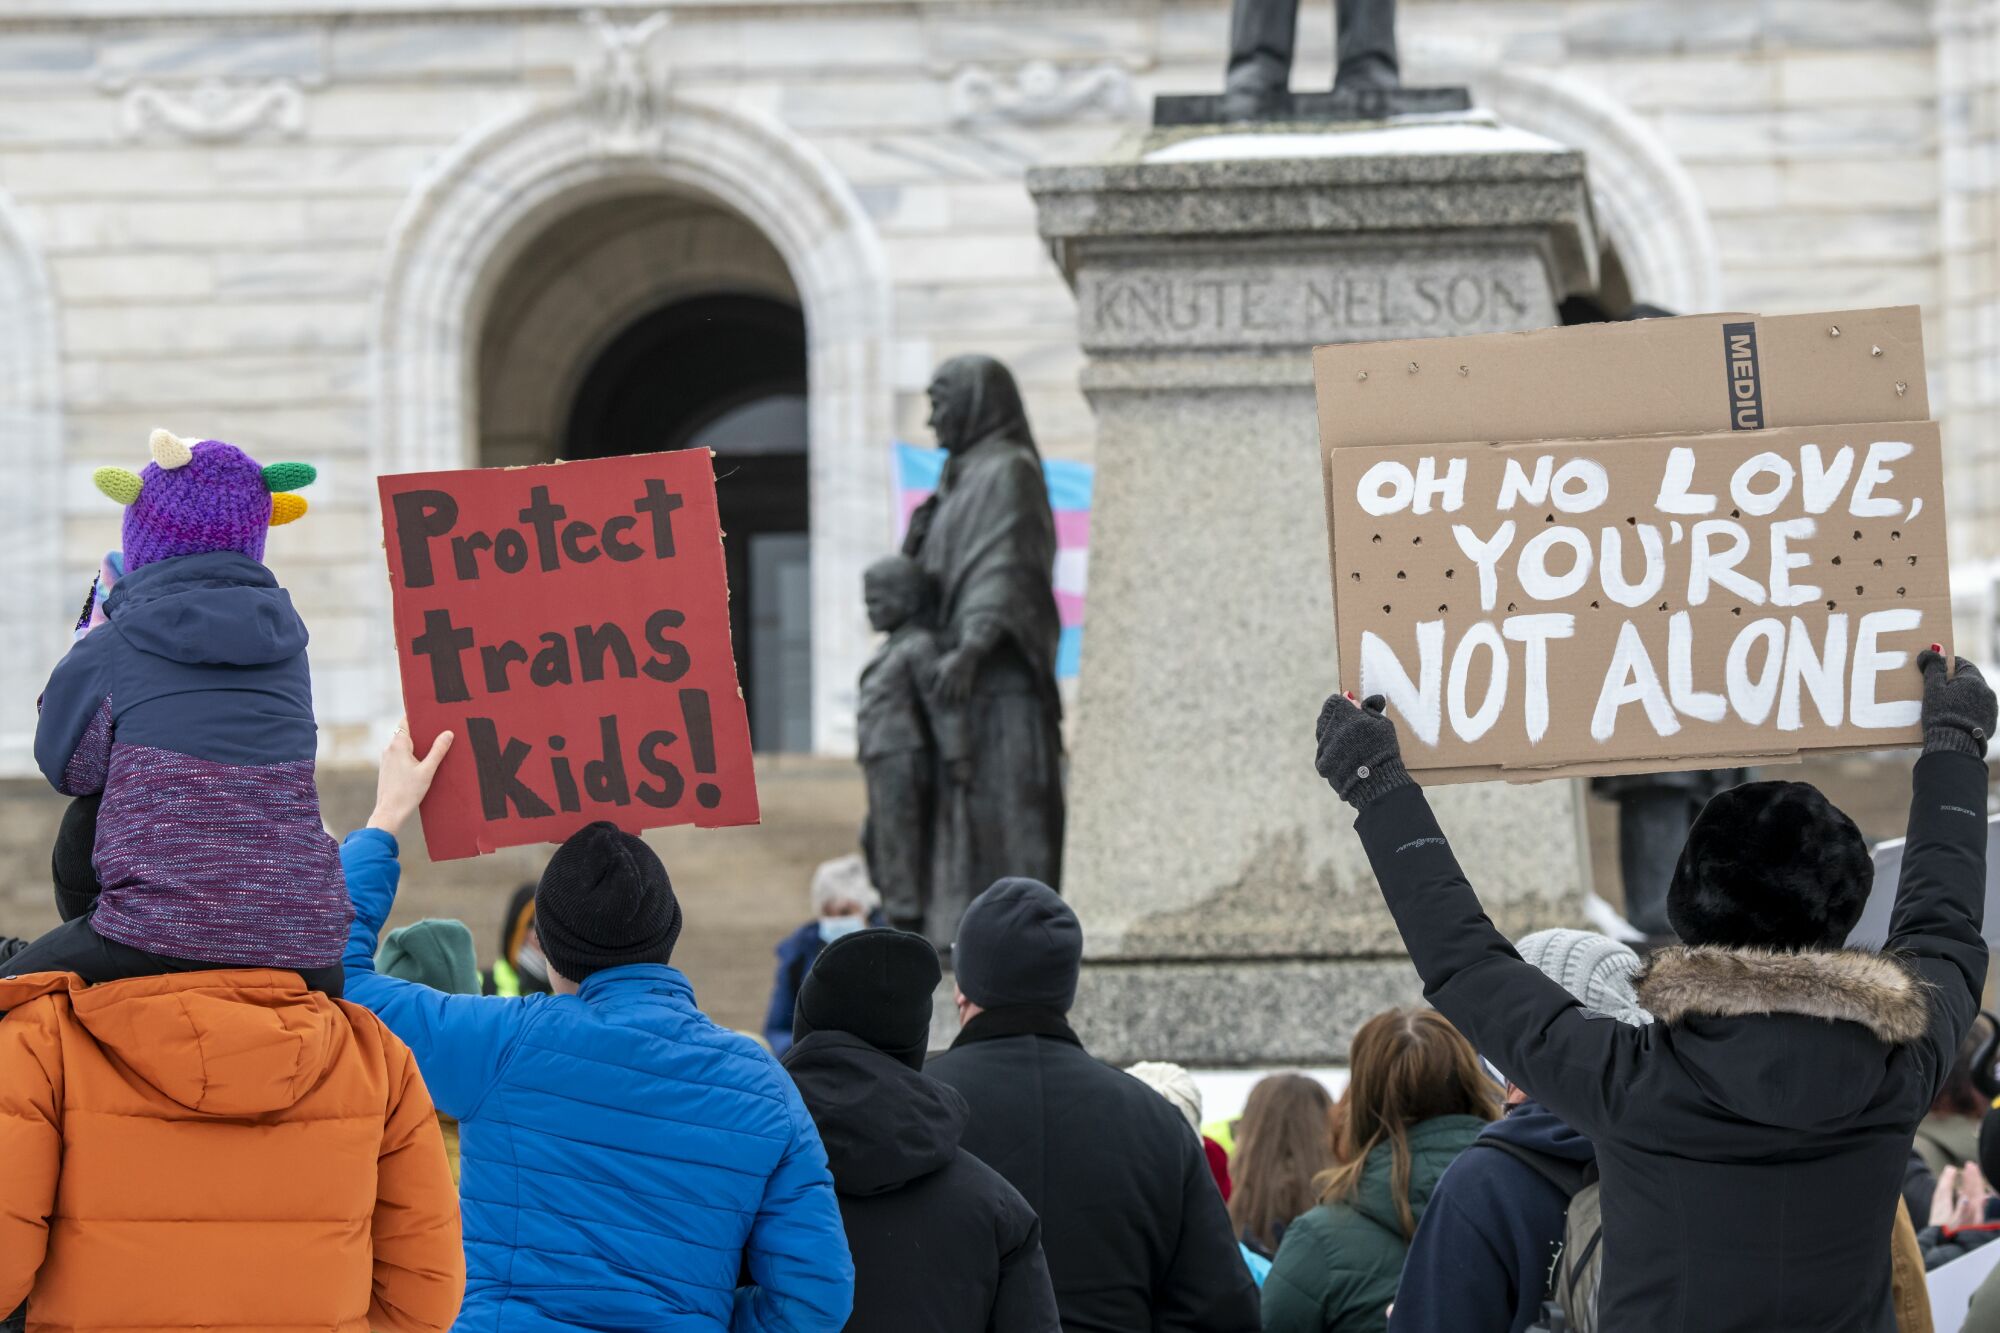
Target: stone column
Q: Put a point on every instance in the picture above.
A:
(1229, 914)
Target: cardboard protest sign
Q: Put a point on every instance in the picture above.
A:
(1629, 547)
(570, 624)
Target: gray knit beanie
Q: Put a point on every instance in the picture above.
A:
(1595, 968)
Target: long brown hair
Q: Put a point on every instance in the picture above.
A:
(1283, 1141)
(1406, 1066)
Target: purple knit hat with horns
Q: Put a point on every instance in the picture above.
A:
(203, 497)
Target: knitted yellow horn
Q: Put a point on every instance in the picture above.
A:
(170, 450)
(287, 508)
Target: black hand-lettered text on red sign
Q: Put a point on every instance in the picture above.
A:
(570, 624)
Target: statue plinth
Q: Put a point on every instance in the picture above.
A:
(1343, 105)
(1229, 914)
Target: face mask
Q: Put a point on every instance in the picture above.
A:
(832, 928)
(530, 962)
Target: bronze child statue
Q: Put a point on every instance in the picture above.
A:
(911, 741)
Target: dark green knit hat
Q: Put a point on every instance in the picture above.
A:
(433, 953)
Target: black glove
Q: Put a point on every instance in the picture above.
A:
(1958, 710)
(1358, 753)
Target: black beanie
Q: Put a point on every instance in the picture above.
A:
(1770, 865)
(875, 985)
(70, 863)
(1018, 944)
(605, 901)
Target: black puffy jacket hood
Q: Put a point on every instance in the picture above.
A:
(884, 1124)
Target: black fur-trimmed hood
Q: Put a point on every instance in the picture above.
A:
(1846, 985)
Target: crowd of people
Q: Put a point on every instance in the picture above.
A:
(228, 1101)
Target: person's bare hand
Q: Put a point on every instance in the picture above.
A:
(1944, 1195)
(1959, 1201)
(1972, 1195)
(405, 779)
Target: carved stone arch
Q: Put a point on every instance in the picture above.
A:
(1646, 203)
(591, 279)
(469, 220)
(33, 603)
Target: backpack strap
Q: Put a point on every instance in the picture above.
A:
(1566, 1175)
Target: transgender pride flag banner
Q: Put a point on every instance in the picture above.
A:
(917, 472)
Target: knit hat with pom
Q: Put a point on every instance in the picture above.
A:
(197, 498)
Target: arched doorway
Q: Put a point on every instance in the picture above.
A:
(728, 373)
(656, 322)
(539, 246)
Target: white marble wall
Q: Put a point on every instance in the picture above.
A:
(209, 198)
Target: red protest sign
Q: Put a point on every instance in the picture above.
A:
(570, 624)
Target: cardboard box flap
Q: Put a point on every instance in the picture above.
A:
(1693, 375)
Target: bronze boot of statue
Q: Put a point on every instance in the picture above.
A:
(1264, 33)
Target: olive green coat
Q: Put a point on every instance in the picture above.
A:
(1337, 1269)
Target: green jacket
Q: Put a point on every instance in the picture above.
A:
(1337, 1269)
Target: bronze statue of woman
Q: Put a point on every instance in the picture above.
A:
(988, 539)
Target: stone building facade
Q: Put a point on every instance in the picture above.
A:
(394, 235)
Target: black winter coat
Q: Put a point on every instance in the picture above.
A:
(1480, 1260)
(1752, 1141)
(1136, 1232)
(940, 1242)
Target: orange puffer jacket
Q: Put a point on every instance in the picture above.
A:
(217, 1149)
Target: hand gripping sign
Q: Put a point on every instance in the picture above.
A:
(570, 623)
(1629, 547)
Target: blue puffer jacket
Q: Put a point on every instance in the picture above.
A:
(622, 1159)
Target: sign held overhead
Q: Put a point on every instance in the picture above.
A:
(570, 623)
(1619, 548)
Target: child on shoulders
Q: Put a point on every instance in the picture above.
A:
(189, 707)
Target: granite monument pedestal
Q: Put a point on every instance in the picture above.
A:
(1230, 917)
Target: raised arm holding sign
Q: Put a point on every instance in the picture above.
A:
(1667, 544)
(1751, 1139)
